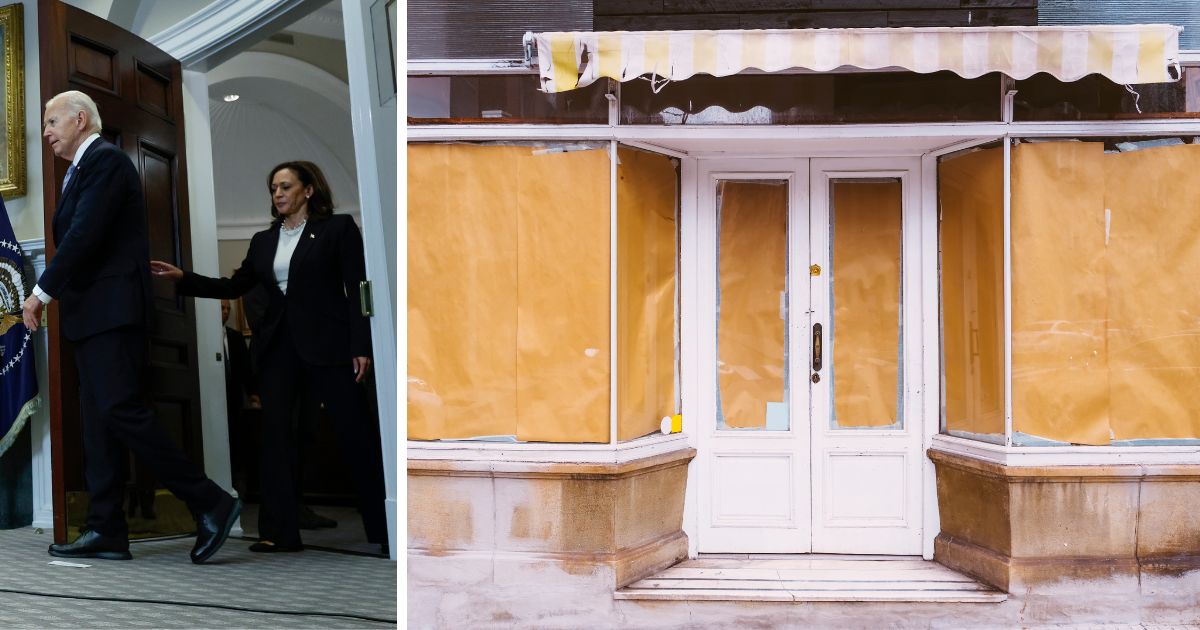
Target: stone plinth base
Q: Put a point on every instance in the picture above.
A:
(1025, 528)
(542, 525)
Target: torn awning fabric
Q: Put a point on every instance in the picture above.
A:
(1127, 54)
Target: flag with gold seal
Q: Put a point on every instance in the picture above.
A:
(18, 379)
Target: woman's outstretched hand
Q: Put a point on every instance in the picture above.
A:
(166, 270)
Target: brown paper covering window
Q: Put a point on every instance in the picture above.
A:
(752, 276)
(1153, 266)
(646, 256)
(865, 336)
(1059, 299)
(508, 293)
(971, 237)
(1105, 298)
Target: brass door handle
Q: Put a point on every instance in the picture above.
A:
(816, 348)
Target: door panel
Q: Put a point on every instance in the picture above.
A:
(754, 489)
(138, 91)
(866, 454)
(755, 456)
(808, 443)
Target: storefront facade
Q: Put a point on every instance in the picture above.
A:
(900, 313)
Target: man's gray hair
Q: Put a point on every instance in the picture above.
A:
(76, 101)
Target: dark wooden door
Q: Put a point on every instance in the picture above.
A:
(138, 89)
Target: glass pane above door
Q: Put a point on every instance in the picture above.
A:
(752, 280)
(864, 338)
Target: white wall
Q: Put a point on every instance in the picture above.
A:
(287, 110)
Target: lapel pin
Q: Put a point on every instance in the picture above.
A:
(311, 235)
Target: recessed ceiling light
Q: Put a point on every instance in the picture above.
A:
(229, 98)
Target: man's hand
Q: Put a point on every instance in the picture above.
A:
(361, 365)
(31, 310)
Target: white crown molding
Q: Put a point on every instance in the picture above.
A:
(224, 23)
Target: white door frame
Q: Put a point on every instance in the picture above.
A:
(697, 323)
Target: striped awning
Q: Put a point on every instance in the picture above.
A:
(1140, 53)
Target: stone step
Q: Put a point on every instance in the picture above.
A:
(805, 579)
(751, 595)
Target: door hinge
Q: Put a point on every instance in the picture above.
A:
(365, 301)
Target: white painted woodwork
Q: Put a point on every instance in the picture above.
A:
(222, 28)
(867, 483)
(547, 452)
(376, 163)
(209, 329)
(1153, 455)
(812, 487)
(754, 484)
(41, 470)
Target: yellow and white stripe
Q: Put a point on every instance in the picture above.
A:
(1138, 53)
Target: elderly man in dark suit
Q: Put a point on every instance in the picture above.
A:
(100, 275)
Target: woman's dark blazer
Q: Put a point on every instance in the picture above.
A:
(320, 315)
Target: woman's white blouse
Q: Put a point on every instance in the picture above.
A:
(283, 257)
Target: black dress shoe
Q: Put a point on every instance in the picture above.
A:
(93, 544)
(212, 528)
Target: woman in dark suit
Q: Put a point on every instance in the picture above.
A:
(313, 338)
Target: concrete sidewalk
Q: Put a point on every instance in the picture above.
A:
(494, 591)
(161, 588)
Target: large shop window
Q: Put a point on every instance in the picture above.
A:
(1104, 308)
(509, 292)
(1105, 301)
(971, 226)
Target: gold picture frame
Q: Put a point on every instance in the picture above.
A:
(12, 135)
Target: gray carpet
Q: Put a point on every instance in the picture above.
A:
(347, 536)
(307, 582)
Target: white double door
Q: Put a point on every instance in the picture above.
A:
(809, 428)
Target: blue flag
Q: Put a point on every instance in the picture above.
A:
(18, 380)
